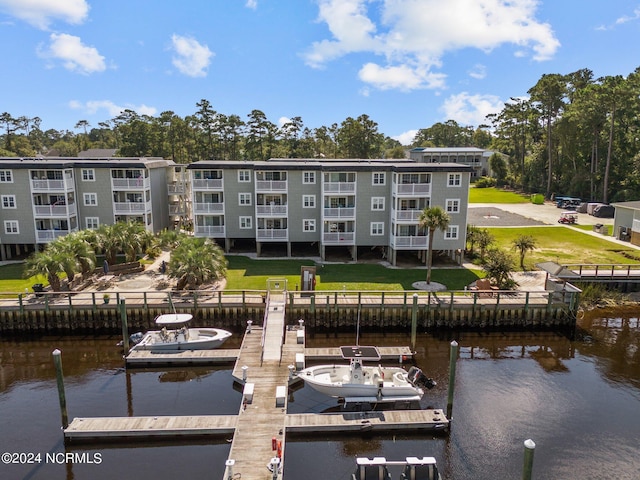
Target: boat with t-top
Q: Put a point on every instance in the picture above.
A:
(175, 334)
(373, 383)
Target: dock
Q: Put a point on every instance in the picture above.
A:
(264, 367)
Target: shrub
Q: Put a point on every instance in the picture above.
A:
(485, 182)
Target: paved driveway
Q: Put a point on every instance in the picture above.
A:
(522, 215)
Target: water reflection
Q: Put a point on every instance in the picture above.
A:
(577, 398)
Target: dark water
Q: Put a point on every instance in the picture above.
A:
(578, 400)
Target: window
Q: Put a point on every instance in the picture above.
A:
(11, 227)
(455, 179)
(377, 203)
(308, 201)
(378, 178)
(6, 176)
(8, 201)
(244, 176)
(309, 225)
(245, 223)
(244, 199)
(309, 177)
(91, 199)
(377, 228)
(451, 233)
(92, 222)
(88, 175)
(453, 205)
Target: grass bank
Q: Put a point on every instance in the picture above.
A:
(496, 195)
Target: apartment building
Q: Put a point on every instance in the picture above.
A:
(44, 198)
(328, 207)
(476, 158)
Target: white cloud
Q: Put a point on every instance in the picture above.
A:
(191, 57)
(252, 4)
(629, 18)
(478, 72)
(283, 120)
(413, 35)
(406, 138)
(75, 56)
(41, 13)
(94, 106)
(469, 109)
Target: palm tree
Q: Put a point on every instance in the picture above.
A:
(483, 239)
(432, 218)
(524, 244)
(48, 263)
(80, 256)
(196, 261)
(134, 238)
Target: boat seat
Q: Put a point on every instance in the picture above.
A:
(420, 472)
(372, 472)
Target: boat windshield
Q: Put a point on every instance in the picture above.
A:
(173, 318)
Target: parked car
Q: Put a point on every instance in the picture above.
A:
(604, 211)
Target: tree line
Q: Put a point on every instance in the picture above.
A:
(572, 134)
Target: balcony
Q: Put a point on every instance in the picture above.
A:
(126, 208)
(208, 207)
(270, 186)
(207, 184)
(271, 210)
(44, 211)
(176, 188)
(409, 242)
(272, 234)
(45, 236)
(177, 209)
(209, 231)
(406, 216)
(339, 187)
(52, 185)
(139, 183)
(340, 212)
(338, 238)
(412, 189)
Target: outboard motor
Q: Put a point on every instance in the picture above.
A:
(417, 378)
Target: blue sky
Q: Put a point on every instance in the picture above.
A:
(406, 63)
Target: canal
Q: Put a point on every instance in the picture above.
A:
(578, 399)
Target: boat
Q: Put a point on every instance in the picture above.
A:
(176, 335)
(414, 469)
(356, 382)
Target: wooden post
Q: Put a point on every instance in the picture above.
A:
(57, 361)
(414, 322)
(93, 303)
(312, 306)
(144, 299)
(453, 357)
(529, 450)
(125, 326)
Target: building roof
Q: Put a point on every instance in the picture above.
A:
(448, 149)
(635, 205)
(86, 162)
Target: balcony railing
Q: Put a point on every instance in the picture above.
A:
(139, 183)
(341, 212)
(209, 231)
(55, 210)
(271, 185)
(409, 242)
(131, 207)
(208, 207)
(177, 209)
(52, 185)
(339, 187)
(412, 189)
(406, 215)
(278, 234)
(207, 184)
(43, 236)
(271, 210)
(176, 188)
(338, 238)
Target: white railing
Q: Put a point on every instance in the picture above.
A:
(342, 212)
(405, 215)
(339, 187)
(207, 184)
(209, 231)
(412, 189)
(131, 207)
(49, 235)
(206, 207)
(271, 210)
(412, 241)
(271, 185)
(176, 188)
(139, 183)
(340, 238)
(51, 185)
(54, 210)
(272, 234)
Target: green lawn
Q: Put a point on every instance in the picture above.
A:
(565, 246)
(11, 279)
(496, 195)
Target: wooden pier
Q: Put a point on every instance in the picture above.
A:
(262, 419)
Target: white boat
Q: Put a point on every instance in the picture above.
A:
(358, 382)
(414, 469)
(175, 335)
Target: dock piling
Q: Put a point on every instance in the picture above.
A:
(453, 357)
(125, 327)
(57, 360)
(529, 450)
(414, 322)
